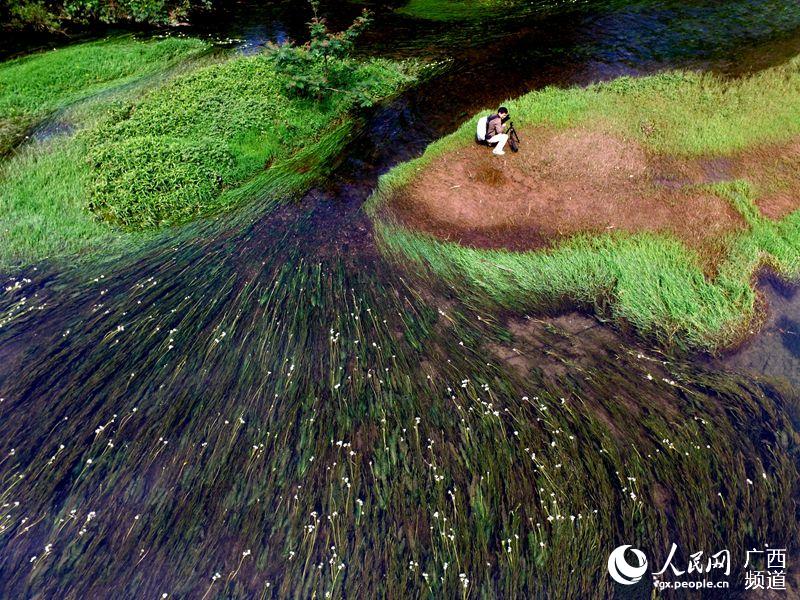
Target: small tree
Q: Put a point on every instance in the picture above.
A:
(322, 64)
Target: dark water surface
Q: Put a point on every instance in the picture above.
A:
(251, 395)
(775, 349)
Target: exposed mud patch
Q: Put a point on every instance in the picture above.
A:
(775, 172)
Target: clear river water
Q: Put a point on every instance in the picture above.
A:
(194, 395)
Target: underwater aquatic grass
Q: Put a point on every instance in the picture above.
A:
(360, 435)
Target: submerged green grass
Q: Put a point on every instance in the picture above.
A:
(285, 424)
(652, 282)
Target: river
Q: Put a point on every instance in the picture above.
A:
(219, 399)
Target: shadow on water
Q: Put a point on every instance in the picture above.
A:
(262, 396)
(775, 349)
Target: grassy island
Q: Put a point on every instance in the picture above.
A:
(153, 152)
(457, 10)
(652, 200)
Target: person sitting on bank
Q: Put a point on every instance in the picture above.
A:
(494, 131)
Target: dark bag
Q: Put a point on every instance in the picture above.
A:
(513, 138)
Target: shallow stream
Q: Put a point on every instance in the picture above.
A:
(195, 395)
